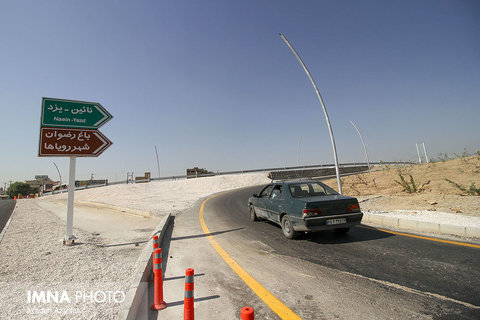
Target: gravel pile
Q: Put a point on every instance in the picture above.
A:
(85, 281)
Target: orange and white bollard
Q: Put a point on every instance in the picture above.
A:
(247, 314)
(155, 243)
(188, 308)
(158, 302)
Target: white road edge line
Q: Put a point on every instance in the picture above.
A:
(415, 291)
(2, 234)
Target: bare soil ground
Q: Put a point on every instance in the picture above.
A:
(382, 189)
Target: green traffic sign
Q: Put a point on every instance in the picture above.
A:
(73, 114)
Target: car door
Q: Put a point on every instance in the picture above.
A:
(261, 205)
(275, 203)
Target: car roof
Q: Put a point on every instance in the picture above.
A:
(295, 181)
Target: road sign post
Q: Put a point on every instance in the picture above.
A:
(68, 128)
(71, 194)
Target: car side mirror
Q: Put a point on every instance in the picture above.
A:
(255, 195)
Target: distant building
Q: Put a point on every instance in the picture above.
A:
(41, 183)
(196, 172)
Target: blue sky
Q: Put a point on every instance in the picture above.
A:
(211, 83)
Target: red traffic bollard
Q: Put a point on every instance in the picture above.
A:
(188, 308)
(158, 303)
(247, 314)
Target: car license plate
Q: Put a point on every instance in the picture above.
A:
(336, 221)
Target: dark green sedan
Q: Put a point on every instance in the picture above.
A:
(305, 206)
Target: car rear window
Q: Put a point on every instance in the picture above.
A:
(310, 189)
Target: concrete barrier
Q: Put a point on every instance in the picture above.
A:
(408, 224)
(430, 227)
(472, 232)
(391, 222)
(451, 229)
(142, 213)
(420, 226)
(143, 273)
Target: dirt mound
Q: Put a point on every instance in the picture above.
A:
(449, 186)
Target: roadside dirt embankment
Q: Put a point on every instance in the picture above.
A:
(449, 186)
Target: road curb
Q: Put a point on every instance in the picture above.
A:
(143, 272)
(4, 231)
(421, 226)
(142, 213)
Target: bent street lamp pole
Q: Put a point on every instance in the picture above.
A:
(323, 107)
(298, 151)
(158, 162)
(60, 188)
(363, 142)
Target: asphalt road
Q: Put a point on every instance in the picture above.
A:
(6, 209)
(364, 274)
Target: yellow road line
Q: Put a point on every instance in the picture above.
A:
(426, 238)
(276, 305)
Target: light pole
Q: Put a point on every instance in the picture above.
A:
(298, 151)
(58, 175)
(426, 155)
(158, 162)
(363, 142)
(324, 110)
(418, 152)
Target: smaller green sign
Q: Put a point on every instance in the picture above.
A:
(73, 114)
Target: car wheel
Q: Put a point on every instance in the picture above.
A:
(342, 230)
(287, 228)
(253, 214)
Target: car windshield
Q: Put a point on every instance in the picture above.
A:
(310, 189)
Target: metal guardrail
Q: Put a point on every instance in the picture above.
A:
(181, 177)
(351, 164)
